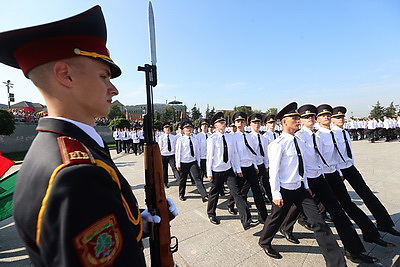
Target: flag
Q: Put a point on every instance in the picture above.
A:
(6, 195)
(5, 165)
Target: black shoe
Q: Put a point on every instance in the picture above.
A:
(213, 219)
(390, 230)
(290, 237)
(249, 224)
(362, 257)
(205, 199)
(166, 186)
(271, 252)
(383, 243)
(232, 210)
(183, 198)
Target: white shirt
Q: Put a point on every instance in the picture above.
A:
(341, 143)
(284, 165)
(163, 144)
(328, 150)
(89, 130)
(215, 152)
(312, 161)
(264, 144)
(182, 151)
(246, 158)
(201, 137)
(135, 137)
(271, 136)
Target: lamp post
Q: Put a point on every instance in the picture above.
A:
(10, 97)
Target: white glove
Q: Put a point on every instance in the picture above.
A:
(172, 207)
(148, 218)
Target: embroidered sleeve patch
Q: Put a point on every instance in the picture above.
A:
(74, 152)
(100, 243)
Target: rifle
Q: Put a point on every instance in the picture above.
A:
(160, 235)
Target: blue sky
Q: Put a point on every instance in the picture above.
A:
(228, 53)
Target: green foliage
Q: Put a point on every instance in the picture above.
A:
(211, 113)
(390, 111)
(168, 114)
(119, 123)
(244, 109)
(377, 111)
(271, 111)
(6, 122)
(115, 112)
(195, 113)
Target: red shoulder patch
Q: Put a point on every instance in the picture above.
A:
(74, 152)
(100, 243)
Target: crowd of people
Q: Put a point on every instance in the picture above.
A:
(296, 161)
(21, 115)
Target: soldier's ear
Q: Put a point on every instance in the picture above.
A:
(62, 72)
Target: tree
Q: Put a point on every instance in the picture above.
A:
(244, 109)
(271, 111)
(211, 113)
(390, 111)
(377, 111)
(115, 112)
(208, 112)
(168, 114)
(119, 123)
(7, 123)
(195, 113)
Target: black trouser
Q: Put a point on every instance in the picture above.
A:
(129, 145)
(125, 145)
(203, 168)
(219, 178)
(118, 145)
(250, 176)
(338, 187)
(171, 161)
(355, 179)
(263, 176)
(194, 170)
(302, 199)
(135, 148)
(321, 189)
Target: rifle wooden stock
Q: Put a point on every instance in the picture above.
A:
(160, 238)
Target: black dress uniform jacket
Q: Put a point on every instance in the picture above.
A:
(72, 207)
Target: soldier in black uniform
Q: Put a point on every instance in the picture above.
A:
(72, 207)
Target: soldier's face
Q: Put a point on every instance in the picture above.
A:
(240, 125)
(204, 128)
(291, 123)
(324, 120)
(255, 126)
(308, 121)
(167, 130)
(187, 130)
(220, 126)
(339, 122)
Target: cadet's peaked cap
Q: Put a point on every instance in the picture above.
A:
(289, 111)
(82, 35)
(307, 110)
(204, 121)
(239, 116)
(270, 118)
(232, 125)
(219, 116)
(255, 117)
(167, 125)
(324, 109)
(338, 112)
(185, 124)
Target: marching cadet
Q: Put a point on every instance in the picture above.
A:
(167, 143)
(222, 166)
(332, 155)
(313, 162)
(289, 187)
(262, 154)
(135, 135)
(118, 140)
(248, 174)
(202, 138)
(125, 139)
(271, 134)
(82, 211)
(353, 176)
(187, 158)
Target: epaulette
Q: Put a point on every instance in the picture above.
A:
(73, 152)
(279, 138)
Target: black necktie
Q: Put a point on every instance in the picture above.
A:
(206, 136)
(317, 150)
(347, 145)
(248, 146)
(259, 143)
(225, 149)
(274, 135)
(169, 143)
(301, 166)
(335, 145)
(191, 147)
